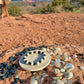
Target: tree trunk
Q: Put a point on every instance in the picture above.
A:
(4, 6)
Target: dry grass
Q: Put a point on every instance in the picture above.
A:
(29, 7)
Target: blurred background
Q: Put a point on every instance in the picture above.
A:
(19, 7)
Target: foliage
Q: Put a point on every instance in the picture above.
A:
(82, 2)
(14, 10)
(60, 5)
(47, 9)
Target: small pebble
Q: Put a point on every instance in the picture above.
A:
(51, 65)
(56, 71)
(33, 81)
(62, 70)
(57, 78)
(68, 75)
(57, 64)
(53, 82)
(60, 82)
(82, 67)
(58, 60)
(65, 81)
(57, 50)
(51, 53)
(75, 56)
(44, 74)
(47, 50)
(44, 49)
(69, 65)
(52, 62)
(69, 81)
(16, 76)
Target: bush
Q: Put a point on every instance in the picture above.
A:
(47, 9)
(58, 9)
(55, 3)
(57, 6)
(82, 2)
(14, 10)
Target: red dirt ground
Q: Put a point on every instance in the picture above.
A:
(64, 29)
(59, 28)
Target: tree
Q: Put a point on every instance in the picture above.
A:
(4, 6)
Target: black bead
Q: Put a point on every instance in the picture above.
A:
(35, 63)
(25, 61)
(43, 58)
(11, 59)
(8, 75)
(29, 63)
(20, 80)
(20, 53)
(1, 65)
(39, 61)
(16, 54)
(16, 79)
(44, 55)
(29, 52)
(14, 82)
(34, 52)
(14, 58)
(42, 52)
(39, 52)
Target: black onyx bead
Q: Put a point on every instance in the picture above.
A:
(23, 57)
(16, 54)
(20, 80)
(28, 49)
(35, 63)
(44, 55)
(16, 79)
(34, 52)
(1, 65)
(11, 59)
(4, 71)
(32, 48)
(25, 61)
(43, 58)
(29, 52)
(42, 52)
(39, 61)
(14, 58)
(29, 63)
(39, 52)
(25, 54)
(14, 66)
(14, 82)
(8, 75)
(20, 53)
(6, 66)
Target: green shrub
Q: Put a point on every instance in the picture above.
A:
(47, 9)
(14, 10)
(58, 9)
(82, 2)
(55, 2)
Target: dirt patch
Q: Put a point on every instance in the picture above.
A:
(64, 30)
(58, 28)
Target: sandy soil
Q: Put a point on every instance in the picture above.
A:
(64, 30)
(60, 28)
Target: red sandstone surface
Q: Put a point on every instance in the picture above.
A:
(65, 30)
